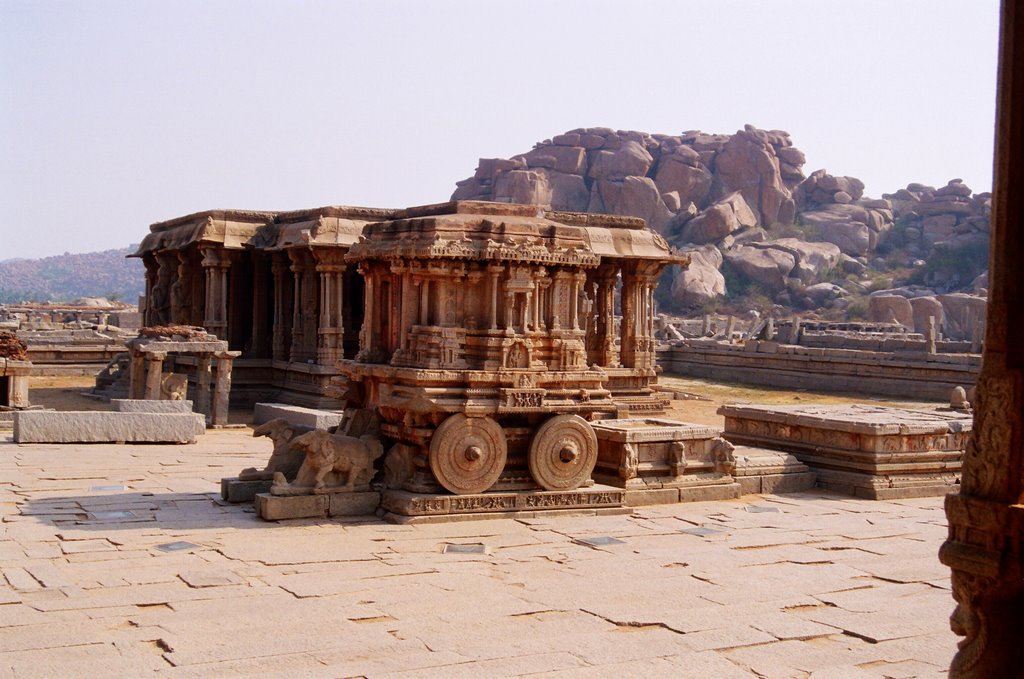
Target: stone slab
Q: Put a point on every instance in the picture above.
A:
(309, 417)
(50, 426)
(139, 405)
(406, 503)
(234, 489)
(278, 507)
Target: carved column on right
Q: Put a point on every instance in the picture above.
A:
(985, 548)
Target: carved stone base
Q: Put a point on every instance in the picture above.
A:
(278, 507)
(868, 451)
(891, 487)
(405, 507)
(234, 489)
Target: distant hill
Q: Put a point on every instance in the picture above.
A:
(66, 277)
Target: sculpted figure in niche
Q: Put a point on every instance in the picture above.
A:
(329, 458)
(283, 460)
(173, 387)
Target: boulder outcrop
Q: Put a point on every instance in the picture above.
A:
(654, 176)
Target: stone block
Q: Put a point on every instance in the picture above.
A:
(703, 493)
(140, 405)
(651, 496)
(279, 507)
(353, 504)
(234, 489)
(308, 417)
(787, 483)
(50, 426)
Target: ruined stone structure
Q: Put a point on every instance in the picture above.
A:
(210, 358)
(274, 286)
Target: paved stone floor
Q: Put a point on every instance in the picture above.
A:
(121, 561)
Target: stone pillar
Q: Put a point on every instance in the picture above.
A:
(279, 344)
(494, 271)
(408, 306)
(605, 340)
(298, 271)
(154, 374)
(628, 332)
(137, 374)
(574, 296)
(149, 261)
(203, 379)
(985, 547)
(930, 337)
(181, 290)
(331, 267)
(424, 315)
(216, 264)
(510, 299)
(257, 341)
(222, 388)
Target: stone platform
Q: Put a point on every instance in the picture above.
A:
(400, 506)
(869, 451)
(658, 461)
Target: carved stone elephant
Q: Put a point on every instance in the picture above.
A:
(329, 458)
(283, 459)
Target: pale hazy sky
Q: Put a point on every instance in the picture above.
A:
(117, 114)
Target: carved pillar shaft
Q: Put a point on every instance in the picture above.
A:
(154, 374)
(203, 379)
(424, 318)
(985, 547)
(494, 298)
(222, 388)
(216, 264)
(280, 270)
(297, 284)
(137, 374)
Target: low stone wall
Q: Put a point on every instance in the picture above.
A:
(908, 374)
(51, 426)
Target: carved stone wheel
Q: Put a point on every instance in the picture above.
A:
(563, 453)
(467, 454)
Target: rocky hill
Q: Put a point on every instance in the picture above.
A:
(67, 277)
(761, 233)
